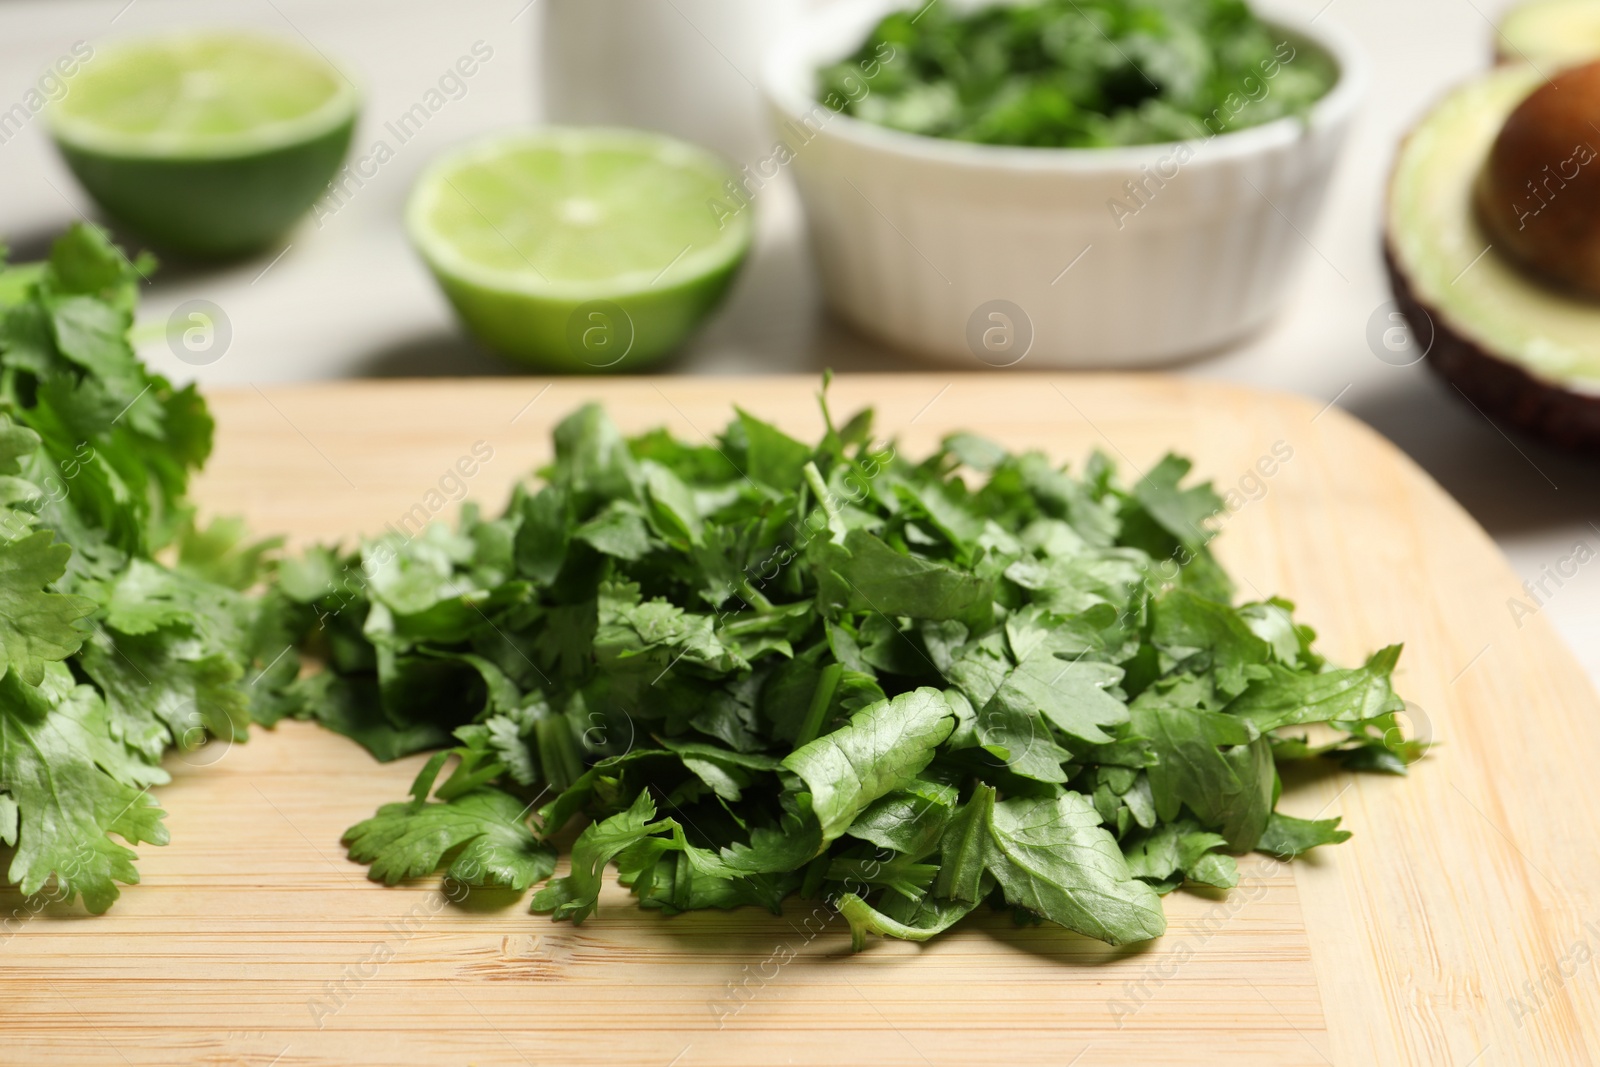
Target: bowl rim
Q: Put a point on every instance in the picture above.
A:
(836, 29)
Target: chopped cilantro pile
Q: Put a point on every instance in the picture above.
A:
(760, 668)
(1077, 73)
(110, 658)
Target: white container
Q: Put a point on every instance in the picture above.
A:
(688, 68)
(969, 253)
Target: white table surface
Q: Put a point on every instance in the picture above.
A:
(348, 298)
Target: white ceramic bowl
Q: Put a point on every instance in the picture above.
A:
(968, 252)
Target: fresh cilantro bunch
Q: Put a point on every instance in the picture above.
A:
(761, 667)
(1077, 73)
(109, 658)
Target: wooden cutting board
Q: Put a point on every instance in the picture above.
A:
(1461, 925)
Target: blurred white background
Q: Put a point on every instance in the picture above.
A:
(346, 297)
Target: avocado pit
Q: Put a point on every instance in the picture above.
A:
(1538, 196)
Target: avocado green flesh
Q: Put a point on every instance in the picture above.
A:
(1551, 33)
(1438, 245)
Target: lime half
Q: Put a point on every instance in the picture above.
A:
(208, 144)
(580, 249)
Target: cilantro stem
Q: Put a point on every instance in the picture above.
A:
(825, 501)
(752, 596)
(821, 698)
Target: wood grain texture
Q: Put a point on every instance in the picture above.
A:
(1450, 930)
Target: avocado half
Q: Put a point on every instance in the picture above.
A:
(1516, 347)
(1549, 34)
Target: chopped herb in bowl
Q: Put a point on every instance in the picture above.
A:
(1078, 73)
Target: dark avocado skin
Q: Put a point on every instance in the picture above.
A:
(1497, 386)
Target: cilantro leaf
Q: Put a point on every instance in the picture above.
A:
(1181, 512)
(1287, 837)
(911, 820)
(1069, 692)
(771, 456)
(1290, 698)
(1214, 636)
(37, 626)
(1176, 851)
(485, 832)
(574, 895)
(882, 748)
(1053, 858)
(63, 804)
(864, 574)
(1214, 764)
